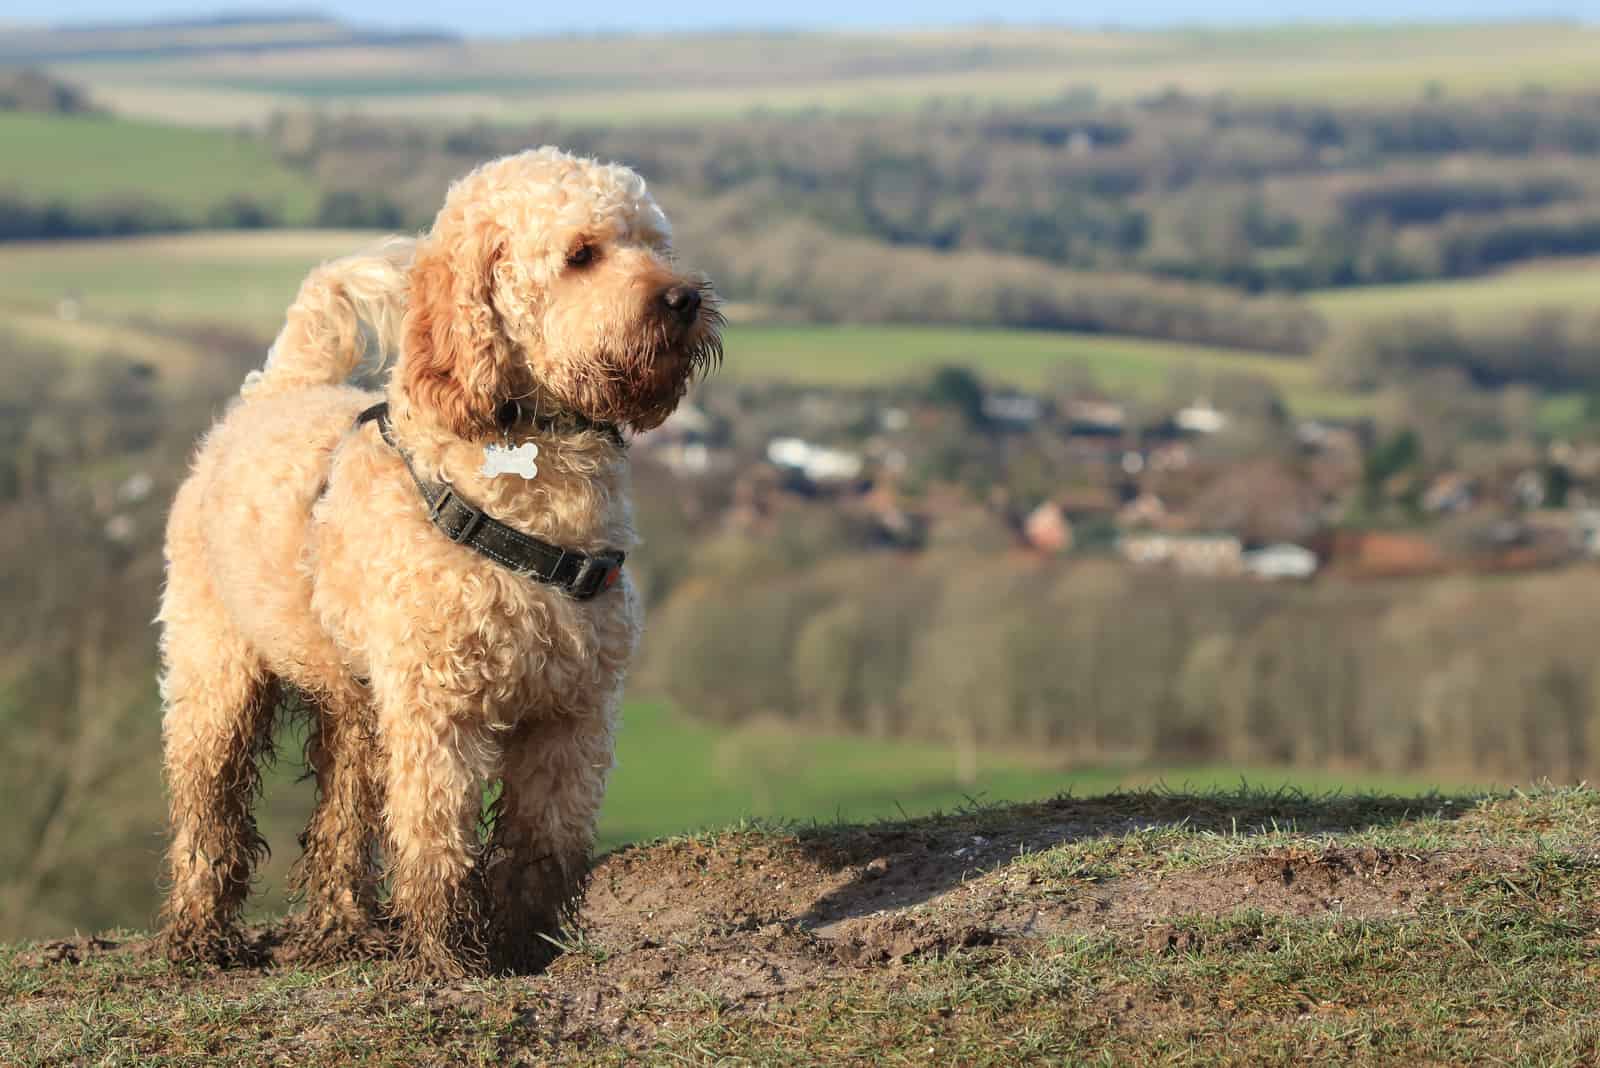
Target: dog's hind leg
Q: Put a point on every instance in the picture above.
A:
(337, 874)
(217, 726)
(553, 780)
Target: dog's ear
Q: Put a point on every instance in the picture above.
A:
(456, 360)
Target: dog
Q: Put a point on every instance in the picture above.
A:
(319, 549)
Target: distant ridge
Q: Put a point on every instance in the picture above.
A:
(190, 22)
(235, 32)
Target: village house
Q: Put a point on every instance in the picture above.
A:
(1173, 456)
(818, 464)
(1200, 418)
(1283, 560)
(1324, 437)
(1449, 492)
(1586, 531)
(1189, 554)
(1095, 418)
(1047, 529)
(1012, 410)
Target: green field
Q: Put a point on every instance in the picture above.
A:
(1123, 365)
(242, 279)
(633, 78)
(81, 160)
(1557, 284)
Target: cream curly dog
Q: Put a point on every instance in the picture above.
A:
(544, 306)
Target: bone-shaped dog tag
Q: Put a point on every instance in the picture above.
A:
(505, 460)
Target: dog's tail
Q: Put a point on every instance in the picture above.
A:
(323, 337)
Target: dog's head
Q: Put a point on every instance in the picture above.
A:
(549, 280)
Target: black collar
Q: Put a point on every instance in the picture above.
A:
(580, 575)
(511, 414)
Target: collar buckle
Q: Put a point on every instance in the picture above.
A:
(598, 573)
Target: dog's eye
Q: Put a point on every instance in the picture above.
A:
(581, 256)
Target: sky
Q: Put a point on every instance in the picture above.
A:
(500, 17)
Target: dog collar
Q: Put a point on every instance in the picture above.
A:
(578, 574)
(511, 415)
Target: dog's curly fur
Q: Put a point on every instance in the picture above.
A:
(300, 555)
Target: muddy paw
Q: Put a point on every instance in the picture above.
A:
(338, 939)
(439, 960)
(222, 947)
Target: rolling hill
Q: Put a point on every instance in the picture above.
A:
(235, 71)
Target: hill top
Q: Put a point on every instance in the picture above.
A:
(1239, 927)
(254, 34)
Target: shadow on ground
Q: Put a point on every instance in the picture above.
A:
(834, 883)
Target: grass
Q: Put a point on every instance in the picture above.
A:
(1570, 285)
(643, 78)
(1466, 936)
(674, 775)
(242, 279)
(84, 160)
(1122, 365)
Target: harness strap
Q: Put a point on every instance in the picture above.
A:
(578, 574)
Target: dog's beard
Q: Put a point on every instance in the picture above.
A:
(642, 384)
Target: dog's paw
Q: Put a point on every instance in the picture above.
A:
(215, 946)
(338, 939)
(430, 968)
(430, 958)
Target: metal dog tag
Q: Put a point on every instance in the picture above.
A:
(507, 460)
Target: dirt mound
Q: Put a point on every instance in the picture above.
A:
(674, 890)
(867, 896)
(754, 916)
(826, 937)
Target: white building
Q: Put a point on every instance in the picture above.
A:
(1280, 561)
(1200, 418)
(818, 463)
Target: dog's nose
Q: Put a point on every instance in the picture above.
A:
(682, 301)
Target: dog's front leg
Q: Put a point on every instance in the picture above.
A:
(432, 802)
(554, 777)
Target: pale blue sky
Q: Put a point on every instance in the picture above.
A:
(509, 16)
